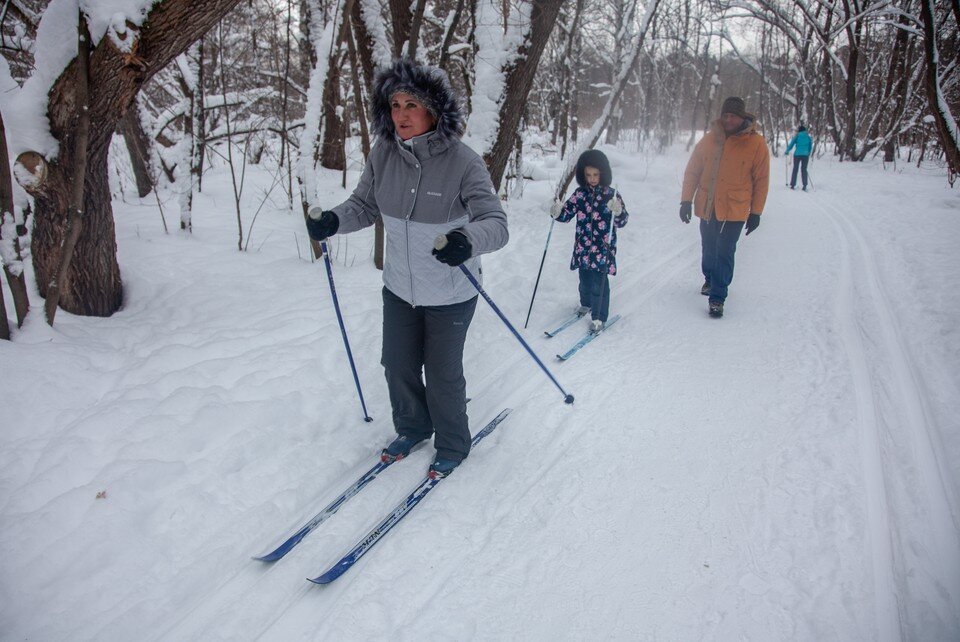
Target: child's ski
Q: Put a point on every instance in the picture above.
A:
(587, 338)
(566, 323)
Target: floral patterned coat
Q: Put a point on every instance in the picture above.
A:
(591, 207)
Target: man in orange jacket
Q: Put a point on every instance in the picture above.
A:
(725, 183)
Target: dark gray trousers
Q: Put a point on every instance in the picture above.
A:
(428, 340)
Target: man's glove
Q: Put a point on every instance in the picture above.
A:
(322, 224)
(753, 222)
(615, 205)
(556, 208)
(452, 249)
(686, 211)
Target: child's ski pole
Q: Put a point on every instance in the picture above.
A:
(539, 272)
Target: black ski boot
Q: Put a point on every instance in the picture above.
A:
(399, 448)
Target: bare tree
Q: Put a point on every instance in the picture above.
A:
(942, 115)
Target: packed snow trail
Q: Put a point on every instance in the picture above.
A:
(789, 472)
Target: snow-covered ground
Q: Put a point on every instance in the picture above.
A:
(789, 472)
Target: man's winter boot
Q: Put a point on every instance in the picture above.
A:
(705, 288)
(399, 448)
(716, 309)
(583, 310)
(441, 467)
(596, 326)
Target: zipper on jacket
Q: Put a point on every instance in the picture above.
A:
(406, 224)
(406, 227)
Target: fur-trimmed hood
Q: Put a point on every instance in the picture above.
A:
(596, 159)
(427, 84)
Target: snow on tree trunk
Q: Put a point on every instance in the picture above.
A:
(506, 66)
(124, 60)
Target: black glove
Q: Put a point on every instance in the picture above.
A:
(452, 249)
(686, 211)
(753, 223)
(323, 226)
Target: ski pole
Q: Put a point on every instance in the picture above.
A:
(343, 330)
(539, 272)
(439, 244)
(610, 248)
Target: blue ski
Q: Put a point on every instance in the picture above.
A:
(398, 513)
(326, 513)
(566, 323)
(587, 338)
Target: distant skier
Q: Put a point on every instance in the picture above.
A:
(596, 205)
(726, 178)
(801, 156)
(422, 181)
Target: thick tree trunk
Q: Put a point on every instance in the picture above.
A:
(401, 18)
(138, 145)
(519, 79)
(95, 255)
(93, 286)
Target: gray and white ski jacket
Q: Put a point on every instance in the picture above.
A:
(421, 188)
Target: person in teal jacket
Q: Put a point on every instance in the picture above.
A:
(801, 156)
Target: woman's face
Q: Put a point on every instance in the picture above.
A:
(410, 117)
(592, 174)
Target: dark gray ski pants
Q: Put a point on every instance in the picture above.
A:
(428, 340)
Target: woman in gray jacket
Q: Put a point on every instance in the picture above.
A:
(422, 181)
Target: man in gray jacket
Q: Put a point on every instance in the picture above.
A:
(422, 181)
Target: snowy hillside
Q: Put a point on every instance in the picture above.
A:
(789, 472)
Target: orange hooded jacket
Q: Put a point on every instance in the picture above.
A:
(728, 176)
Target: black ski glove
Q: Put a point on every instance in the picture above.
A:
(753, 223)
(322, 224)
(686, 211)
(452, 249)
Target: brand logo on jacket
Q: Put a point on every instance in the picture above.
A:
(434, 194)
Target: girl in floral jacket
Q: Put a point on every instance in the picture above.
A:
(595, 204)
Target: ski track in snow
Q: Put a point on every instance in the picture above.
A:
(784, 473)
(895, 424)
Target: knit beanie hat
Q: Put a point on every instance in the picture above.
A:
(734, 105)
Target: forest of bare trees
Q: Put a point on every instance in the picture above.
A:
(284, 84)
